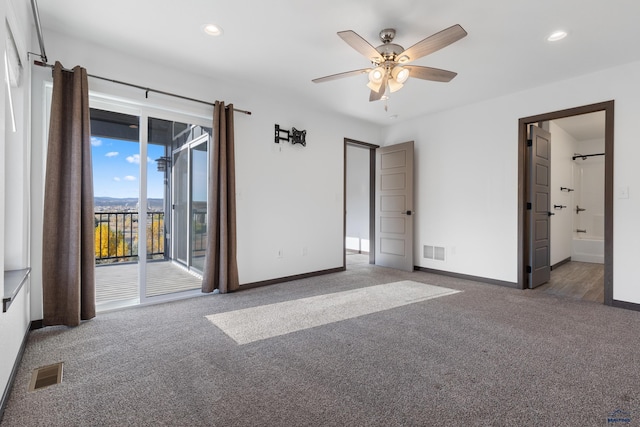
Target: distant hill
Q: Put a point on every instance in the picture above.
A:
(114, 202)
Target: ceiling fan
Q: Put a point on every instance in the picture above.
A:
(388, 60)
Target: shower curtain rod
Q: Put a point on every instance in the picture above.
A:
(146, 89)
(584, 156)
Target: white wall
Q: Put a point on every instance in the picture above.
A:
(466, 181)
(289, 198)
(562, 149)
(3, 147)
(465, 188)
(358, 165)
(14, 189)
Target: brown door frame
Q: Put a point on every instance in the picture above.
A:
(372, 196)
(608, 108)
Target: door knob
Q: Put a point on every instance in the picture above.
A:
(408, 212)
(550, 213)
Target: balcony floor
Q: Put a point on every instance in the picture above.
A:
(117, 282)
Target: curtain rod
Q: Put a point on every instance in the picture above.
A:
(36, 18)
(146, 89)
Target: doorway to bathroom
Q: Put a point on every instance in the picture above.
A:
(565, 227)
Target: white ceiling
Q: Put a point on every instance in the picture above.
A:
(287, 43)
(584, 127)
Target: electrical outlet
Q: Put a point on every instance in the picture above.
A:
(305, 251)
(280, 253)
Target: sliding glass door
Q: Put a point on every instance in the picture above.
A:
(150, 181)
(190, 174)
(115, 141)
(180, 231)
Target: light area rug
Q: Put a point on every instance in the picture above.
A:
(267, 321)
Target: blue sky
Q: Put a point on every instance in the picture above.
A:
(116, 168)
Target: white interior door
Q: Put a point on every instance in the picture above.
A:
(394, 206)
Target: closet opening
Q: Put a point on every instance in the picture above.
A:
(359, 202)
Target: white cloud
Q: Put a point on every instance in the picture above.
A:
(129, 178)
(111, 154)
(96, 142)
(136, 159)
(116, 178)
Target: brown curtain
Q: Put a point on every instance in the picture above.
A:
(68, 243)
(220, 265)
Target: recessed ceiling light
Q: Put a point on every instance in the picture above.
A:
(212, 29)
(556, 36)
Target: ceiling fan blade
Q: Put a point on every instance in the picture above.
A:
(341, 75)
(361, 45)
(428, 73)
(376, 95)
(434, 43)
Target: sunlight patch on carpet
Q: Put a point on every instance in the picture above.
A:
(258, 323)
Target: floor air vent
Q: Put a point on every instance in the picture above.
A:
(46, 376)
(434, 252)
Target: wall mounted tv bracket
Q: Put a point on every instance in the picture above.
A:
(294, 135)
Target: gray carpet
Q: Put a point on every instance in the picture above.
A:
(486, 356)
(251, 324)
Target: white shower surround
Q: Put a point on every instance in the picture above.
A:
(588, 249)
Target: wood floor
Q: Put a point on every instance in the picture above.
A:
(117, 282)
(580, 280)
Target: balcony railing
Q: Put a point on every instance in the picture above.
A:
(116, 236)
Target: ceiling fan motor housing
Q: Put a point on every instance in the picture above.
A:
(388, 50)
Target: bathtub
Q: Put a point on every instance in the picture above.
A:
(588, 249)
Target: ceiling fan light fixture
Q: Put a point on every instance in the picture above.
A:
(374, 86)
(400, 74)
(394, 85)
(376, 75)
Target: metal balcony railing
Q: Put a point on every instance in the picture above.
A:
(116, 236)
